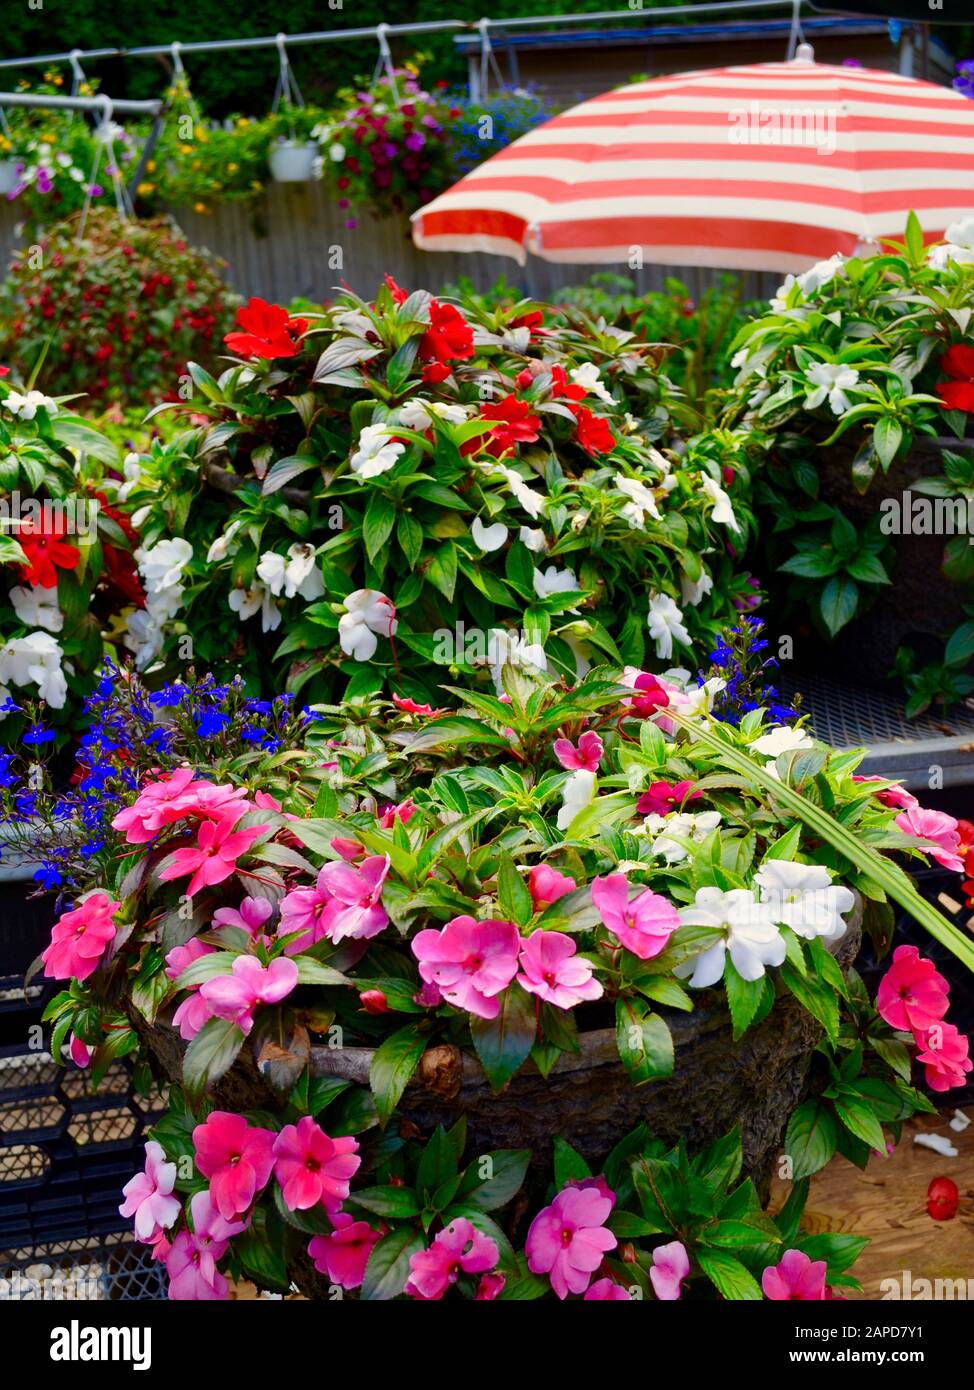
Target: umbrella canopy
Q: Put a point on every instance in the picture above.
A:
(768, 167)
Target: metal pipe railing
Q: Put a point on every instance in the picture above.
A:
(104, 104)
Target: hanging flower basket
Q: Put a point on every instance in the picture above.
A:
(292, 161)
(8, 176)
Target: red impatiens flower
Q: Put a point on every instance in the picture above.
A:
(46, 553)
(958, 394)
(592, 432)
(269, 331)
(449, 338)
(399, 295)
(515, 425)
(563, 389)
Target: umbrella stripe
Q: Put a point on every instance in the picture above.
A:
(580, 158)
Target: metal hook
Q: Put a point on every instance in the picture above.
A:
(77, 72)
(177, 62)
(385, 60)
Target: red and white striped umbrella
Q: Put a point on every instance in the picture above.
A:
(697, 169)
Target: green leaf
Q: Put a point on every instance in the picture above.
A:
(810, 1139)
(504, 1043)
(409, 534)
(731, 1279)
(440, 1159)
(388, 1267)
(644, 1041)
(569, 1164)
(513, 895)
(380, 517)
(507, 1169)
(887, 438)
(396, 1203)
(838, 602)
(211, 1053)
(392, 1066)
(284, 471)
(859, 1119)
(441, 571)
(743, 997)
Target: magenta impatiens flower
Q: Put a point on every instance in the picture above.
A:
(568, 1240)
(912, 995)
(343, 1255)
(236, 1157)
(671, 1265)
(154, 807)
(587, 755)
(312, 1168)
(937, 827)
(250, 916)
(795, 1277)
(546, 885)
(148, 1196)
(345, 902)
(644, 925)
(214, 858)
(662, 797)
(471, 962)
(235, 996)
(896, 795)
(551, 969)
(458, 1249)
(209, 1239)
(80, 938)
(944, 1053)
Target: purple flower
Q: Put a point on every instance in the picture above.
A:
(44, 184)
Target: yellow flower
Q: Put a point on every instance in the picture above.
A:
(232, 168)
(144, 189)
(150, 167)
(242, 121)
(185, 149)
(200, 207)
(197, 163)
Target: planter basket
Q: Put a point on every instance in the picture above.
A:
(292, 161)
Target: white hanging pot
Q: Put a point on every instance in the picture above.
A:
(8, 176)
(292, 161)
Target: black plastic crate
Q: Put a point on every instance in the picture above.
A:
(113, 1267)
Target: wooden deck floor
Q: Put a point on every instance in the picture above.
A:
(888, 1203)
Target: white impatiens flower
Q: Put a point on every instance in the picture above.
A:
(336, 152)
(37, 608)
(257, 599)
(830, 380)
(142, 637)
(587, 376)
(533, 538)
(507, 648)
(377, 451)
(132, 472)
(416, 414)
(531, 501)
(35, 659)
(665, 832)
(577, 793)
(641, 502)
(293, 574)
(554, 581)
(488, 538)
(723, 512)
(803, 897)
(808, 282)
(162, 565)
(751, 936)
(692, 591)
(26, 407)
(368, 615)
(958, 245)
(665, 622)
(782, 739)
(224, 545)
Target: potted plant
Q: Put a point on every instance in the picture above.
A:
(491, 473)
(485, 899)
(854, 392)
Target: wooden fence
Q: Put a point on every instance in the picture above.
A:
(293, 241)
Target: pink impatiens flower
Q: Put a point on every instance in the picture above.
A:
(154, 806)
(546, 885)
(896, 795)
(471, 962)
(644, 925)
(187, 1282)
(235, 996)
(671, 1265)
(148, 1196)
(80, 938)
(211, 1233)
(795, 1277)
(218, 847)
(250, 916)
(650, 696)
(944, 1053)
(458, 1249)
(403, 813)
(551, 969)
(313, 1169)
(194, 1011)
(937, 827)
(912, 995)
(568, 1240)
(607, 1291)
(345, 902)
(343, 1255)
(662, 797)
(587, 755)
(236, 1157)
